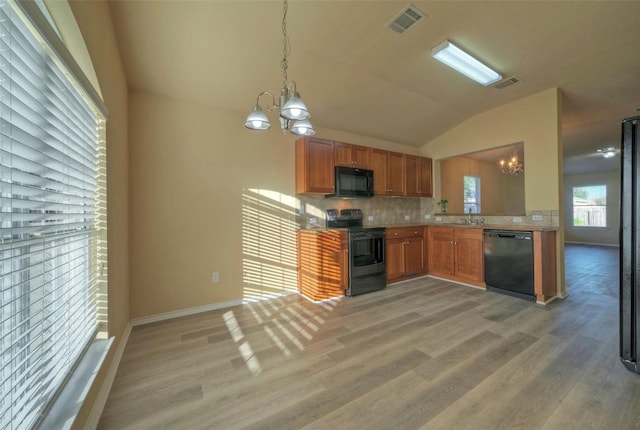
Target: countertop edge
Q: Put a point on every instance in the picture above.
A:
(483, 227)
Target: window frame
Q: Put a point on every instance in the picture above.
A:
(48, 220)
(476, 205)
(604, 210)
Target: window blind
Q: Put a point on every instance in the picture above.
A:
(51, 144)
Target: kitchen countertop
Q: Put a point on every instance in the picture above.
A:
(482, 226)
(439, 224)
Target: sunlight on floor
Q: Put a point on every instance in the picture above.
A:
(288, 327)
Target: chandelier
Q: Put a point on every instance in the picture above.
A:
(294, 115)
(513, 166)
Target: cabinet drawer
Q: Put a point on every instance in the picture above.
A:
(403, 232)
(470, 233)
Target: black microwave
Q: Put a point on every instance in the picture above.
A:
(353, 183)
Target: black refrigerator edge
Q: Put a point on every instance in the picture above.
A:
(630, 245)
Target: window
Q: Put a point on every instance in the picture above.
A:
(590, 206)
(52, 215)
(472, 194)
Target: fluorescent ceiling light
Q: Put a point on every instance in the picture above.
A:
(456, 58)
(607, 152)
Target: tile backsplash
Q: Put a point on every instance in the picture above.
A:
(376, 210)
(387, 211)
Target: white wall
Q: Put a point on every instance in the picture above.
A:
(605, 236)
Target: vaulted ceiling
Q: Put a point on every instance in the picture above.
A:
(357, 76)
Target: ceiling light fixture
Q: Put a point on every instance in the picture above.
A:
(513, 167)
(456, 58)
(293, 112)
(607, 152)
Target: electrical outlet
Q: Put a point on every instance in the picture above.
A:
(313, 220)
(406, 217)
(370, 218)
(517, 219)
(536, 217)
(215, 277)
(427, 216)
(438, 218)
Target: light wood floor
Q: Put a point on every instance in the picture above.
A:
(426, 354)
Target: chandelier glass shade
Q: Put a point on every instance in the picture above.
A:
(257, 120)
(513, 166)
(294, 115)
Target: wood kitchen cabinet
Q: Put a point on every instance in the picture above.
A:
(388, 172)
(544, 265)
(323, 263)
(457, 254)
(315, 172)
(405, 253)
(418, 176)
(350, 155)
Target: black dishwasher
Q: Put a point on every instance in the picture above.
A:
(508, 262)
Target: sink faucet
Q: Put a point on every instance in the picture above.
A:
(469, 220)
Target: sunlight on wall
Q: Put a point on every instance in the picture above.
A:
(270, 221)
(269, 225)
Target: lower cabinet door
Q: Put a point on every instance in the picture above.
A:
(395, 258)
(414, 257)
(441, 251)
(469, 255)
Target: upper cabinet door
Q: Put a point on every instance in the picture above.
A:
(315, 166)
(412, 175)
(378, 163)
(395, 174)
(360, 156)
(351, 155)
(343, 154)
(418, 176)
(425, 182)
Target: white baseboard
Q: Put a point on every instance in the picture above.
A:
(103, 394)
(612, 245)
(546, 302)
(457, 282)
(409, 280)
(184, 312)
(205, 308)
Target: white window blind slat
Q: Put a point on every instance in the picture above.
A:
(51, 205)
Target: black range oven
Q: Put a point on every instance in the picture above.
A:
(367, 259)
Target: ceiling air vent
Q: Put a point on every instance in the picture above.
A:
(405, 20)
(507, 82)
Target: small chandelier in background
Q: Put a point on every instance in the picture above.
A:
(294, 115)
(513, 166)
(607, 152)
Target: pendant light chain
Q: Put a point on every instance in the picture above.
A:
(294, 114)
(286, 47)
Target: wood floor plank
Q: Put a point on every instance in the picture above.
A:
(425, 354)
(351, 383)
